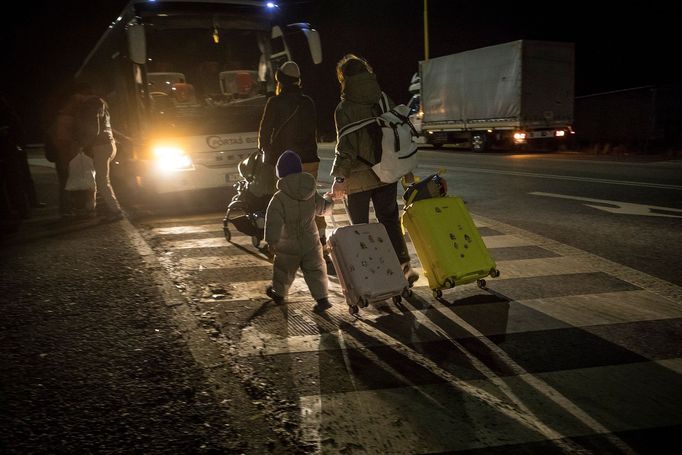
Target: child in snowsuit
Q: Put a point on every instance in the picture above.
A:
(291, 233)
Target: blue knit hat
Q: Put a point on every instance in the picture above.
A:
(288, 163)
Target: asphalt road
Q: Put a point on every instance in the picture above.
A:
(575, 347)
(548, 194)
(571, 350)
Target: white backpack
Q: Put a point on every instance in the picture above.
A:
(398, 146)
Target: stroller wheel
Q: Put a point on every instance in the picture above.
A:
(228, 234)
(255, 241)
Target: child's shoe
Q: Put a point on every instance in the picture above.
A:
(278, 299)
(322, 304)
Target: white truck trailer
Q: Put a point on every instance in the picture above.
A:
(507, 94)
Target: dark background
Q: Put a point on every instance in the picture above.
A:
(617, 46)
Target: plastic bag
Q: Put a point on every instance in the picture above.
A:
(81, 173)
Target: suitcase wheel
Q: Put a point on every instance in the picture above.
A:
(448, 283)
(494, 273)
(437, 293)
(481, 283)
(407, 293)
(397, 299)
(255, 241)
(353, 309)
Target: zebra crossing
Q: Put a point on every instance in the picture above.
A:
(564, 351)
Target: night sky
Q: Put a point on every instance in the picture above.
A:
(616, 48)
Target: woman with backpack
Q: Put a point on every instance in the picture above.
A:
(356, 152)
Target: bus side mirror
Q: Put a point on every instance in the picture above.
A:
(312, 37)
(137, 47)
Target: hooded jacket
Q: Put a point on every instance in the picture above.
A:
(360, 95)
(290, 217)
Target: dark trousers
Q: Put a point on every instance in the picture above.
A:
(386, 209)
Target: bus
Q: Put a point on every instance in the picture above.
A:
(186, 83)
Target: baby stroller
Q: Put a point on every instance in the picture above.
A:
(246, 210)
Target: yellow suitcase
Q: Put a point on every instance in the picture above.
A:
(448, 243)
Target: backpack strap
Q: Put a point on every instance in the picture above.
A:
(383, 103)
(353, 127)
(281, 127)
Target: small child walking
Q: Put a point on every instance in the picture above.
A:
(291, 233)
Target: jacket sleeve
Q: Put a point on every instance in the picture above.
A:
(267, 125)
(323, 206)
(274, 220)
(346, 147)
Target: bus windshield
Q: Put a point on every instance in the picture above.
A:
(207, 74)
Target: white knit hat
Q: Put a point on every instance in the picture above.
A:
(290, 69)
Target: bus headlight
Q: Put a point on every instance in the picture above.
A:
(170, 158)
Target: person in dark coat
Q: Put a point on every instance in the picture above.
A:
(63, 146)
(16, 183)
(289, 122)
(94, 134)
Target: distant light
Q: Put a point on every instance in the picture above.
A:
(271, 5)
(118, 19)
(560, 133)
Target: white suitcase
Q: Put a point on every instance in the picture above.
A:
(367, 265)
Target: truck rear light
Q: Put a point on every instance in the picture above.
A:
(560, 133)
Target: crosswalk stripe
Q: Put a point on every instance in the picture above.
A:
(504, 241)
(575, 311)
(607, 308)
(522, 268)
(192, 229)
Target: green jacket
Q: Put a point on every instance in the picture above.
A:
(360, 97)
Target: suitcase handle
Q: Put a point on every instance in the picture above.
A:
(345, 207)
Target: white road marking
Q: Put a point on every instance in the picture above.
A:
(577, 311)
(188, 229)
(606, 308)
(563, 177)
(504, 241)
(623, 208)
(526, 268)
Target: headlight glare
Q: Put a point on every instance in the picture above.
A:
(171, 158)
